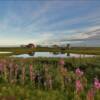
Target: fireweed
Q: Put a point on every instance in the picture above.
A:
(79, 86)
(90, 94)
(16, 71)
(96, 84)
(61, 62)
(78, 72)
(77, 81)
(31, 72)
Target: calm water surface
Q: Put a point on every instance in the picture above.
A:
(4, 52)
(54, 55)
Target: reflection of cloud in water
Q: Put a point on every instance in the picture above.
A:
(53, 55)
(4, 52)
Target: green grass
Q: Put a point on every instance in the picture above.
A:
(28, 91)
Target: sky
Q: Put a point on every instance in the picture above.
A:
(50, 22)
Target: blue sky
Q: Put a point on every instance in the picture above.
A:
(49, 22)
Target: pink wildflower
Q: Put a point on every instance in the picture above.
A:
(31, 72)
(16, 71)
(90, 94)
(10, 72)
(79, 86)
(61, 62)
(78, 72)
(96, 84)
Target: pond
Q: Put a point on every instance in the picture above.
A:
(52, 55)
(4, 52)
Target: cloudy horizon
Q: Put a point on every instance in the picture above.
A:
(50, 22)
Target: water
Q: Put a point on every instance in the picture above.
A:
(52, 55)
(4, 52)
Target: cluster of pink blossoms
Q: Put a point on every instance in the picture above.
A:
(79, 72)
(96, 84)
(90, 94)
(61, 62)
(79, 86)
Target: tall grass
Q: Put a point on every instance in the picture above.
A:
(50, 78)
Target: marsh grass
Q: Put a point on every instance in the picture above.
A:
(30, 91)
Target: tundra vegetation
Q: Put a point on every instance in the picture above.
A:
(49, 78)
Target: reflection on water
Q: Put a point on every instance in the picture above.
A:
(31, 54)
(4, 52)
(52, 54)
(68, 54)
(55, 53)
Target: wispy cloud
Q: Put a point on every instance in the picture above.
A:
(49, 21)
(89, 34)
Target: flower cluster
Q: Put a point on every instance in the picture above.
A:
(79, 72)
(96, 84)
(49, 77)
(79, 86)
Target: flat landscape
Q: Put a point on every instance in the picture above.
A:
(77, 50)
(49, 49)
(47, 78)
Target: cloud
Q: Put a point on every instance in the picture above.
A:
(77, 36)
(50, 22)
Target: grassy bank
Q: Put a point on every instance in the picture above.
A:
(78, 50)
